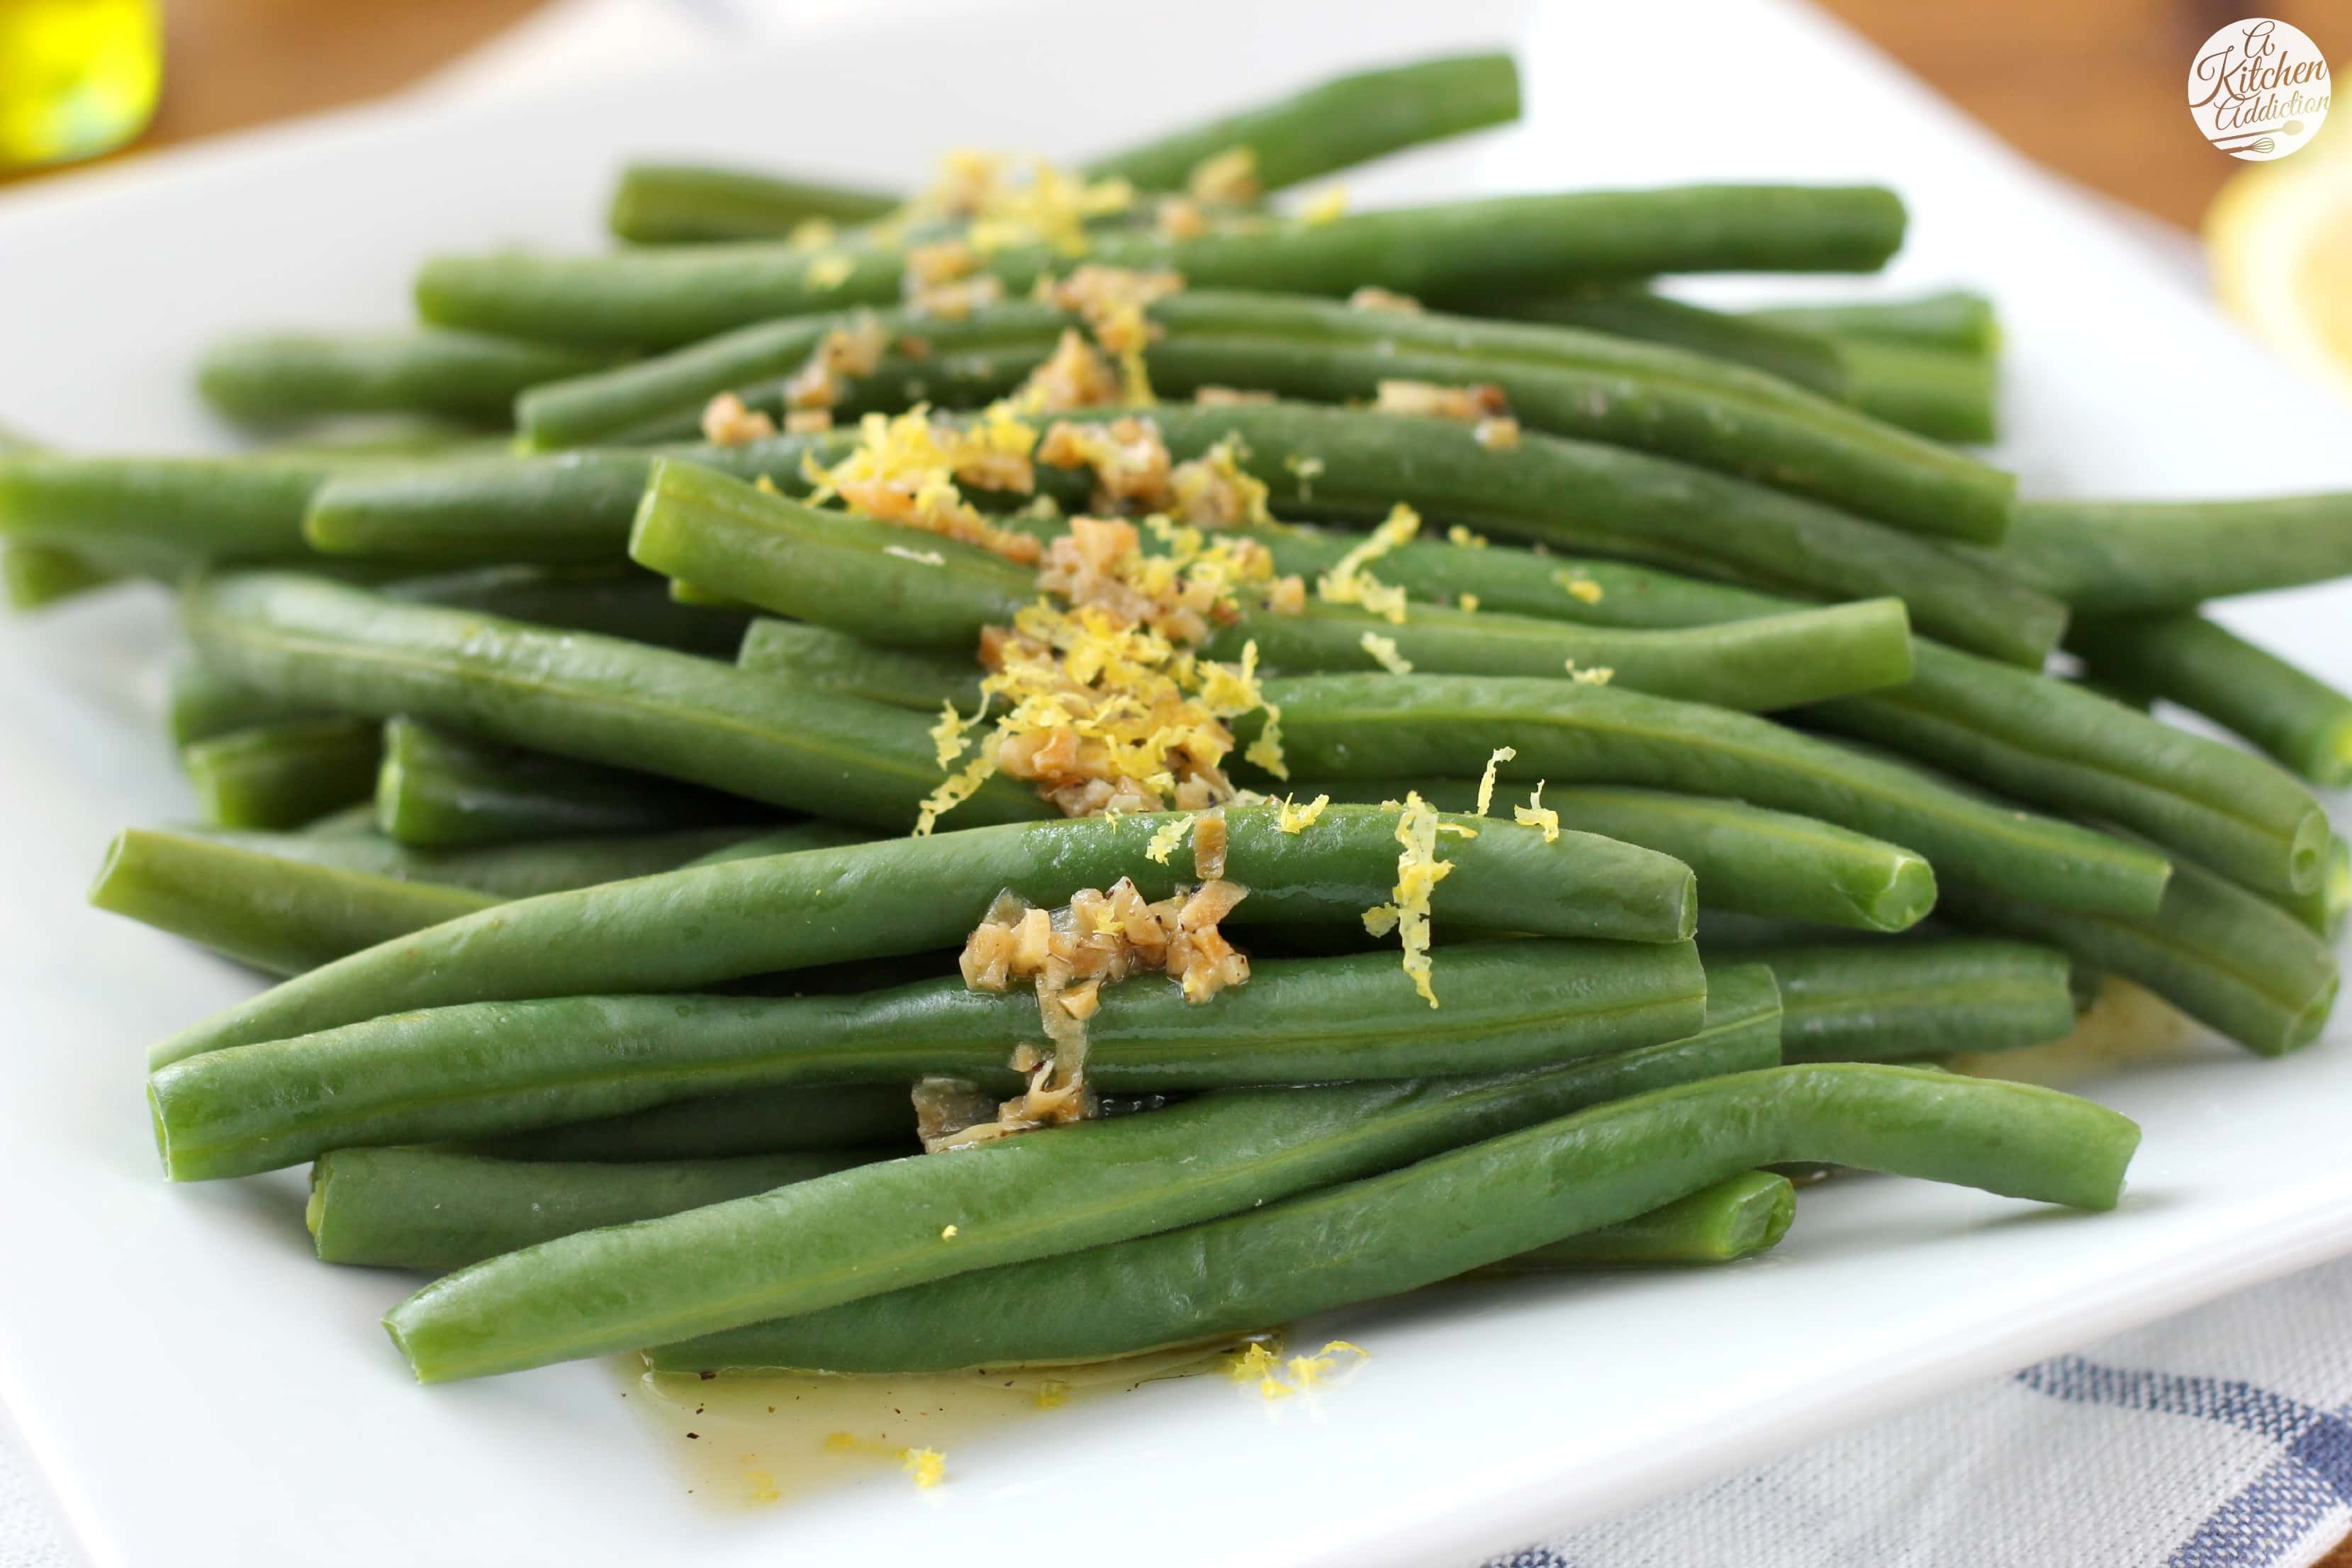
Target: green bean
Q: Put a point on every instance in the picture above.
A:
(282, 774)
(448, 1073)
(35, 576)
(2134, 558)
(768, 915)
(2058, 745)
(2045, 741)
(658, 299)
(619, 604)
(293, 378)
(1450, 1213)
(1808, 359)
(438, 1209)
(522, 870)
(835, 662)
(1330, 126)
(1937, 393)
(1516, 582)
(199, 703)
(2323, 908)
(159, 516)
(441, 791)
(1588, 384)
(861, 1233)
(1737, 1217)
(1782, 662)
(1875, 1002)
(279, 915)
(723, 1126)
(1335, 124)
(709, 924)
(600, 700)
(1344, 726)
(662, 398)
(1748, 860)
(668, 203)
(1957, 319)
(1573, 496)
(2299, 719)
(894, 585)
(2230, 959)
(1571, 382)
(564, 509)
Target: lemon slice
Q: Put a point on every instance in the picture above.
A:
(2278, 239)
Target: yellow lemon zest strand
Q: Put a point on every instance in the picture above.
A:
(1348, 584)
(1384, 653)
(928, 1466)
(1536, 813)
(1486, 779)
(1461, 535)
(1579, 586)
(1418, 871)
(1299, 818)
(1166, 837)
(1379, 920)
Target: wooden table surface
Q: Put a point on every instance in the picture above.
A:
(2093, 89)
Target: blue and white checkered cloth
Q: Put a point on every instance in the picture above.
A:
(2221, 1438)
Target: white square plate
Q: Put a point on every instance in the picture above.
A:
(201, 1393)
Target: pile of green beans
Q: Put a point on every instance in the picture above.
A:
(1567, 382)
(566, 765)
(659, 299)
(1498, 1198)
(1333, 125)
(445, 1074)
(774, 912)
(1020, 1199)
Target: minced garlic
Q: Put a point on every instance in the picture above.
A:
(1500, 434)
(1371, 297)
(1427, 399)
(845, 352)
(1228, 396)
(1599, 675)
(1132, 468)
(1068, 955)
(1225, 179)
(1074, 376)
(727, 421)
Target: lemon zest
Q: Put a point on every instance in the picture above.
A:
(1384, 653)
(1348, 584)
(1536, 813)
(1418, 871)
(1293, 818)
(1166, 837)
(1486, 779)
